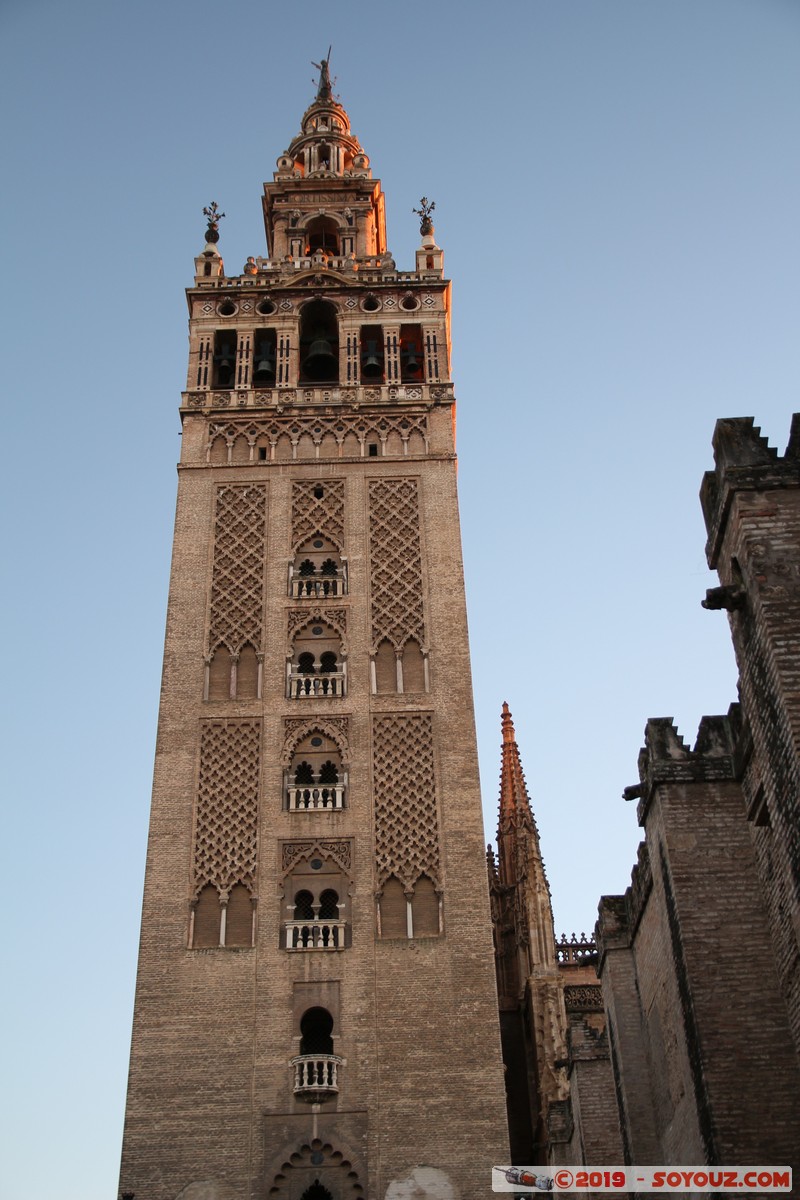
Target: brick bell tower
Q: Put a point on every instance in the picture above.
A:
(316, 1014)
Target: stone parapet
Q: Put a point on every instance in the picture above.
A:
(666, 759)
(744, 461)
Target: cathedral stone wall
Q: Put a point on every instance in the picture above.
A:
(699, 959)
(751, 503)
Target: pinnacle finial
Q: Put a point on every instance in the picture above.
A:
(509, 734)
(324, 90)
(424, 213)
(213, 216)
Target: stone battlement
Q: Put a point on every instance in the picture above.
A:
(744, 461)
(666, 759)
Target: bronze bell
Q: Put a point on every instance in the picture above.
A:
(320, 359)
(411, 363)
(264, 368)
(224, 362)
(371, 362)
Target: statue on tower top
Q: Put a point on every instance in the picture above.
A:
(324, 91)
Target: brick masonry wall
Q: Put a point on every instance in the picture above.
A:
(416, 1021)
(752, 508)
(711, 1010)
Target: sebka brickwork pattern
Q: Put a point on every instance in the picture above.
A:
(237, 581)
(395, 562)
(406, 824)
(227, 806)
(317, 509)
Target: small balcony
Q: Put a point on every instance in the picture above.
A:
(316, 1076)
(316, 797)
(317, 587)
(303, 685)
(317, 934)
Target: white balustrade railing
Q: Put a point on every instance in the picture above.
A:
(315, 1073)
(328, 683)
(315, 935)
(315, 796)
(319, 587)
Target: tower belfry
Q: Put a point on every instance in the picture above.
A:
(316, 1008)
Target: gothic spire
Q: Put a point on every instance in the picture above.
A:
(515, 806)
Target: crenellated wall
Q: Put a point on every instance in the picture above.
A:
(751, 503)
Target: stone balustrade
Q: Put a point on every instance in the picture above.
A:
(318, 587)
(315, 935)
(313, 797)
(325, 685)
(575, 949)
(316, 1075)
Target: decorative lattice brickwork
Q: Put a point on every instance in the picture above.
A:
(296, 728)
(313, 514)
(339, 849)
(323, 432)
(227, 805)
(298, 618)
(395, 562)
(237, 580)
(588, 997)
(406, 826)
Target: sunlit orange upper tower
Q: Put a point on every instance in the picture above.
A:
(316, 1008)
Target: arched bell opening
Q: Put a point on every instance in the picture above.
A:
(373, 369)
(264, 357)
(412, 362)
(322, 233)
(319, 343)
(224, 370)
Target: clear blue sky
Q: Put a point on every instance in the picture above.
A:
(617, 193)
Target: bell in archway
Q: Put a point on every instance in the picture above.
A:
(320, 361)
(412, 364)
(371, 361)
(264, 367)
(224, 363)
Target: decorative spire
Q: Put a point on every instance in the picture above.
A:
(515, 806)
(325, 146)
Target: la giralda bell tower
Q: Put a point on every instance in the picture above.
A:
(315, 1013)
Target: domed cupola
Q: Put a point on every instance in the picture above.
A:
(325, 147)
